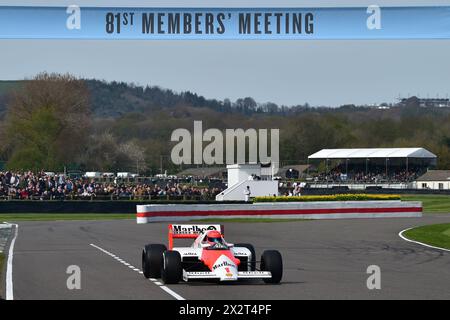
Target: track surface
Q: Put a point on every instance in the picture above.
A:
(324, 259)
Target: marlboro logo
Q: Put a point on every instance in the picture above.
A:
(193, 229)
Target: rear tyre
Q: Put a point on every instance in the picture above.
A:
(152, 260)
(251, 264)
(271, 261)
(171, 270)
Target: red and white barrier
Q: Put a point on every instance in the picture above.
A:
(280, 210)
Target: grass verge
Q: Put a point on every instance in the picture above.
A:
(246, 220)
(106, 216)
(431, 203)
(64, 216)
(437, 235)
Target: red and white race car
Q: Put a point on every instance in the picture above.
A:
(209, 257)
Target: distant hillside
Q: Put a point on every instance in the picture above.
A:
(114, 99)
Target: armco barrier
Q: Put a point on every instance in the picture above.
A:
(55, 206)
(77, 206)
(280, 210)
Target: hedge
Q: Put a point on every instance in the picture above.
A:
(336, 197)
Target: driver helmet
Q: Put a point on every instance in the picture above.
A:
(214, 237)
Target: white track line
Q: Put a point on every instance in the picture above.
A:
(400, 234)
(9, 266)
(159, 284)
(172, 293)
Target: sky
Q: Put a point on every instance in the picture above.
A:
(328, 73)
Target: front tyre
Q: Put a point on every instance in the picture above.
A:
(271, 261)
(171, 271)
(152, 260)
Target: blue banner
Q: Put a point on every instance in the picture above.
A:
(225, 23)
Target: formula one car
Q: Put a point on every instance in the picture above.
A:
(209, 257)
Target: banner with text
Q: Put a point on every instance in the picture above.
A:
(371, 22)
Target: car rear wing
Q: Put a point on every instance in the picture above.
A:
(191, 231)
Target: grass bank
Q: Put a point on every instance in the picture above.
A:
(101, 216)
(246, 220)
(64, 216)
(437, 235)
(431, 203)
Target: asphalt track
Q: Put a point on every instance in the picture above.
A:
(324, 259)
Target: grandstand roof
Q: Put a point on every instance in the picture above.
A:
(373, 153)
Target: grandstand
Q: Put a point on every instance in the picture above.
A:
(292, 171)
(356, 168)
(204, 172)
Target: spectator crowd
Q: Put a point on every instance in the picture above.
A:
(373, 176)
(41, 186)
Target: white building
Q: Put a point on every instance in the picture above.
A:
(434, 179)
(241, 176)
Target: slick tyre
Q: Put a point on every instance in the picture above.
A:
(251, 265)
(171, 271)
(271, 261)
(152, 260)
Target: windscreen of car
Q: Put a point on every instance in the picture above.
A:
(217, 243)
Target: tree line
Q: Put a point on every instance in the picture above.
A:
(54, 121)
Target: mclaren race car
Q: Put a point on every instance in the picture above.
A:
(209, 257)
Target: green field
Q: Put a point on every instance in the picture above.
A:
(437, 235)
(64, 216)
(107, 216)
(247, 220)
(431, 203)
